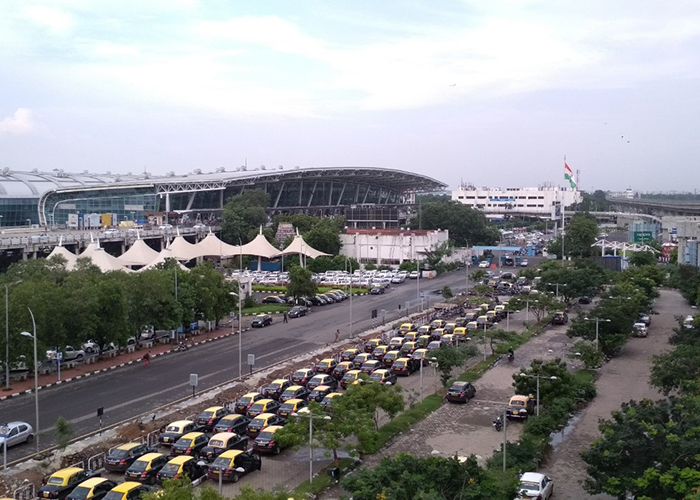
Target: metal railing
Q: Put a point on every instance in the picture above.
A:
(96, 462)
(25, 492)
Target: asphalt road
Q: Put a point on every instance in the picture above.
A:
(130, 391)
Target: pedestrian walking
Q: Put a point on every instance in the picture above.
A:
(285, 317)
(147, 359)
(337, 335)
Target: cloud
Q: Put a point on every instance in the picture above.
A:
(21, 122)
(56, 21)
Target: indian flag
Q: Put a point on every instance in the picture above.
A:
(569, 176)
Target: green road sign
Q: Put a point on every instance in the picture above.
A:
(643, 237)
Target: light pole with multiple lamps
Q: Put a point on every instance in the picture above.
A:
(538, 377)
(310, 416)
(36, 379)
(597, 322)
(7, 333)
(557, 285)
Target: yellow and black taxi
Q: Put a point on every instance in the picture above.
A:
(460, 392)
(483, 322)
(472, 315)
(302, 376)
(94, 488)
(351, 377)
(492, 316)
(560, 318)
(437, 333)
(423, 341)
(520, 407)
(175, 430)
(294, 392)
(396, 343)
(361, 359)
(190, 444)
(246, 401)
(328, 400)
(146, 468)
(380, 351)
(450, 327)
(120, 458)
(233, 464)
(421, 355)
(383, 376)
(221, 442)
(448, 339)
(261, 320)
(233, 423)
(407, 349)
(322, 379)
(424, 330)
(291, 406)
(265, 442)
(437, 323)
(319, 393)
(275, 388)
(484, 307)
(209, 417)
(179, 467)
(411, 337)
(404, 367)
(263, 406)
(390, 357)
(128, 490)
(61, 483)
(405, 328)
(349, 354)
(372, 344)
(370, 366)
(472, 326)
(261, 421)
(460, 334)
(342, 368)
(326, 366)
(460, 321)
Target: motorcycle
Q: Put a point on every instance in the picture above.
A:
(182, 347)
(511, 357)
(498, 423)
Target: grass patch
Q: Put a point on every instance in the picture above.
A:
(322, 480)
(265, 308)
(585, 376)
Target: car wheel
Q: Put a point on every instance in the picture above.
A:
(89, 350)
(30, 438)
(152, 481)
(235, 477)
(277, 450)
(79, 357)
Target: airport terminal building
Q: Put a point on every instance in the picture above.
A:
(366, 196)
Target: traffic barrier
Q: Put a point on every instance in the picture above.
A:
(96, 461)
(152, 438)
(24, 492)
(80, 465)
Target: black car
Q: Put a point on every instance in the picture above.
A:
(233, 423)
(584, 300)
(322, 379)
(209, 417)
(645, 318)
(100, 487)
(190, 444)
(298, 312)
(120, 458)
(261, 320)
(53, 486)
(376, 290)
(189, 468)
(302, 377)
(461, 392)
(231, 468)
(315, 301)
(176, 430)
(319, 393)
(294, 392)
(233, 442)
(273, 300)
(146, 468)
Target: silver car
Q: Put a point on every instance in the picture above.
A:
(15, 433)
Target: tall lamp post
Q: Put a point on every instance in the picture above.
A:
(597, 322)
(557, 285)
(310, 416)
(240, 330)
(538, 377)
(36, 379)
(7, 333)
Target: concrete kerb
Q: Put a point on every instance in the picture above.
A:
(114, 367)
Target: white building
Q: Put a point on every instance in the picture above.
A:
(390, 247)
(496, 202)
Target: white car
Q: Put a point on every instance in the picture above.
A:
(534, 485)
(524, 263)
(640, 330)
(14, 433)
(413, 275)
(484, 264)
(166, 227)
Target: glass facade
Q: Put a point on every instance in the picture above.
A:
(126, 203)
(18, 211)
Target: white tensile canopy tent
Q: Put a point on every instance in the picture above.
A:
(161, 257)
(102, 259)
(139, 254)
(70, 257)
(260, 248)
(212, 246)
(301, 247)
(183, 249)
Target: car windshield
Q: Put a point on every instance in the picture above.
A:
(257, 407)
(139, 466)
(206, 415)
(349, 376)
(79, 493)
(529, 485)
(55, 480)
(119, 454)
(170, 469)
(267, 435)
(216, 443)
(173, 428)
(517, 402)
(289, 393)
(299, 375)
(222, 462)
(245, 400)
(114, 495)
(184, 442)
(399, 364)
(287, 407)
(256, 424)
(376, 376)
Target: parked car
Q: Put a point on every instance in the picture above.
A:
(645, 318)
(69, 353)
(94, 488)
(265, 442)
(246, 401)
(460, 392)
(209, 417)
(584, 299)
(261, 320)
(128, 490)
(233, 422)
(120, 458)
(275, 389)
(303, 375)
(58, 485)
(273, 299)
(183, 465)
(146, 468)
(298, 312)
(535, 485)
(175, 430)
(560, 318)
(14, 433)
(233, 464)
(383, 376)
(640, 330)
(221, 442)
(520, 407)
(190, 444)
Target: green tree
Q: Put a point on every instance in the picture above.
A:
(587, 353)
(300, 283)
(579, 278)
(640, 259)
(324, 239)
(477, 275)
(555, 380)
(243, 214)
(677, 370)
(447, 292)
(581, 233)
(64, 432)
(539, 304)
(450, 357)
(647, 448)
(466, 225)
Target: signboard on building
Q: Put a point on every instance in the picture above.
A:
(643, 237)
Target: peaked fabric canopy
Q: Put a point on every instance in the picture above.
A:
(183, 249)
(161, 257)
(299, 246)
(70, 257)
(260, 247)
(139, 254)
(213, 246)
(102, 259)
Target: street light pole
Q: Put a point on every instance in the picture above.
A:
(538, 377)
(36, 379)
(557, 285)
(311, 438)
(597, 322)
(240, 332)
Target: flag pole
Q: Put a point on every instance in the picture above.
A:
(562, 218)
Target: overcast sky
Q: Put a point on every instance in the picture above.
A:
(491, 92)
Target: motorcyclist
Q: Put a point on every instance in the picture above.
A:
(511, 354)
